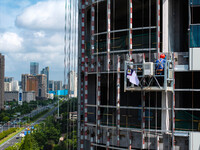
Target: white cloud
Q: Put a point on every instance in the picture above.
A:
(48, 15)
(10, 42)
(39, 34)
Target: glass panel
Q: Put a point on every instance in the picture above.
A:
(141, 9)
(111, 89)
(108, 116)
(187, 120)
(119, 14)
(119, 41)
(195, 11)
(195, 36)
(91, 89)
(101, 16)
(141, 39)
(91, 115)
(130, 118)
(152, 119)
(133, 118)
(100, 42)
(195, 2)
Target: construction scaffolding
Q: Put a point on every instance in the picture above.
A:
(162, 111)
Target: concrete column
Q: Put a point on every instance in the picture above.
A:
(165, 25)
(165, 112)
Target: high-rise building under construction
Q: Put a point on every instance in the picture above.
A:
(125, 101)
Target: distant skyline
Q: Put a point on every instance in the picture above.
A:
(33, 31)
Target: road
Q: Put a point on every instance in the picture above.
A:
(32, 114)
(14, 139)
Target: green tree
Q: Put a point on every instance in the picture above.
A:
(52, 133)
(29, 143)
(40, 138)
(6, 118)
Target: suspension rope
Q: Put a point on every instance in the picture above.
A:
(108, 67)
(118, 101)
(143, 119)
(130, 28)
(92, 34)
(113, 68)
(158, 28)
(149, 123)
(65, 57)
(98, 68)
(173, 113)
(192, 86)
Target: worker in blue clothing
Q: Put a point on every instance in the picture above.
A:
(160, 65)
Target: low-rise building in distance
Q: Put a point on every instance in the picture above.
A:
(14, 96)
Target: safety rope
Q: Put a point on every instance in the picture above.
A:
(98, 68)
(108, 67)
(66, 58)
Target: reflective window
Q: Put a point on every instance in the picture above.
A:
(195, 36)
(195, 11)
(195, 2)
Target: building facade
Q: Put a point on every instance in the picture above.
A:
(11, 96)
(46, 72)
(36, 83)
(124, 35)
(7, 86)
(73, 84)
(14, 96)
(15, 85)
(42, 85)
(29, 96)
(24, 78)
(29, 83)
(57, 85)
(8, 79)
(2, 70)
(34, 68)
(32, 84)
(51, 85)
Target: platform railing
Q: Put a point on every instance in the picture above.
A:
(156, 81)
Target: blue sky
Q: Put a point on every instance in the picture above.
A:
(32, 30)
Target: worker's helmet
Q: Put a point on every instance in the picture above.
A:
(162, 56)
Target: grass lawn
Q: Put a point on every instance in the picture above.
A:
(11, 135)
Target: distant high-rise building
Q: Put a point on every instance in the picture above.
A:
(51, 85)
(34, 68)
(2, 69)
(24, 78)
(73, 83)
(42, 85)
(36, 83)
(57, 85)
(29, 83)
(15, 85)
(46, 72)
(32, 84)
(8, 79)
(7, 86)
(10, 84)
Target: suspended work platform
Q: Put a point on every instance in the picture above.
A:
(147, 77)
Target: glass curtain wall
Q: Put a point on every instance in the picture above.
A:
(195, 23)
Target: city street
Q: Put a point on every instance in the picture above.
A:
(32, 114)
(16, 138)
